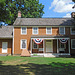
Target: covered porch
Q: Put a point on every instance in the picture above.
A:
(50, 46)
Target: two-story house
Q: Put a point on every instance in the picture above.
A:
(42, 36)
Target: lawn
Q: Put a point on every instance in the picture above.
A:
(16, 65)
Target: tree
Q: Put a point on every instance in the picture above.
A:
(29, 9)
(74, 16)
(73, 0)
(3, 15)
(74, 5)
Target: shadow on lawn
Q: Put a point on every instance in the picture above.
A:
(38, 69)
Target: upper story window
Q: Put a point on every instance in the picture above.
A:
(23, 30)
(48, 30)
(73, 31)
(35, 30)
(62, 30)
(23, 44)
(73, 43)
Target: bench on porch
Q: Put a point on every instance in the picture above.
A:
(41, 49)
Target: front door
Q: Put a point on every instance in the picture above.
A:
(49, 46)
(4, 47)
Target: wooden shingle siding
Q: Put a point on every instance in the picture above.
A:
(42, 32)
(9, 45)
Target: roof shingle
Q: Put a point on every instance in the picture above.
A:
(43, 21)
(6, 32)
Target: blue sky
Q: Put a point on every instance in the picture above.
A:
(57, 8)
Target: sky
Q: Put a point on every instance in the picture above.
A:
(57, 8)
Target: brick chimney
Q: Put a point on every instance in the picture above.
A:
(73, 14)
(19, 14)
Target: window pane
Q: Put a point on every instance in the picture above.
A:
(73, 43)
(35, 45)
(23, 30)
(73, 30)
(35, 30)
(48, 30)
(23, 43)
(62, 45)
(61, 30)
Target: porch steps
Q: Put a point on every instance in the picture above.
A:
(67, 56)
(37, 55)
(51, 55)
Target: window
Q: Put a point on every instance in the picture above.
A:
(23, 44)
(23, 30)
(48, 30)
(35, 46)
(73, 31)
(73, 43)
(62, 45)
(35, 30)
(62, 30)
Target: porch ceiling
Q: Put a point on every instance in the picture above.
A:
(49, 36)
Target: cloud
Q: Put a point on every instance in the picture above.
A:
(61, 6)
(68, 15)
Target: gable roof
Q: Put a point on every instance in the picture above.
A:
(43, 21)
(6, 32)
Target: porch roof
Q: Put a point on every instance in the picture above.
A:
(49, 36)
(6, 32)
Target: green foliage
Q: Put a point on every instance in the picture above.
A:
(73, 0)
(29, 9)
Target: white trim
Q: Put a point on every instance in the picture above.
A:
(50, 38)
(23, 33)
(71, 31)
(71, 43)
(7, 47)
(21, 44)
(57, 46)
(37, 30)
(31, 46)
(51, 30)
(43, 46)
(13, 41)
(64, 31)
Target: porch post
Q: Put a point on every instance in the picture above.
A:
(43, 46)
(69, 45)
(31, 46)
(57, 46)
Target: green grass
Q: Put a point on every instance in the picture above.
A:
(16, 65)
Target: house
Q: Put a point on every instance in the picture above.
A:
(41, 36)
(6, 39)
